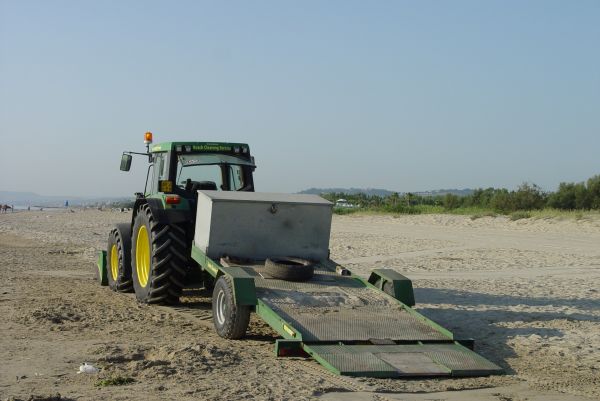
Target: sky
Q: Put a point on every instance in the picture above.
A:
(401, 95)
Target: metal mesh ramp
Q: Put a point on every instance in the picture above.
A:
(358, 324)
(402, 360)
(330, 307)
(339, 317)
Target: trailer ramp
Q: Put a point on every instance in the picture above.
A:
(402, 360)
(354, 329)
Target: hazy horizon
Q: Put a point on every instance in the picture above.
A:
(66, 196)
(406, 96)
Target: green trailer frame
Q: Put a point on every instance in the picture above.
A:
(438, 353)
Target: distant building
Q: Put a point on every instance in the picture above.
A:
(343, 203)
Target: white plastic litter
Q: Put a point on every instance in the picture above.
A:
(88, 368)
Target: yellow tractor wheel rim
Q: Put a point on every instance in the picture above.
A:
(142, 256)
(114, 262)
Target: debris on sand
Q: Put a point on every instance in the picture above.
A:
(88, 368)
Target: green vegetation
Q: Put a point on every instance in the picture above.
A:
(114, 381)
(529, 200)
(121, 204)
(519, 215)
(483, 214)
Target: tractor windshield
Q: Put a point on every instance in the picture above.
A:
(202, 159)
(197, 171)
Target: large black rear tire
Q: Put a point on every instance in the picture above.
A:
(231, 320)
(158, 259)
(118, 255)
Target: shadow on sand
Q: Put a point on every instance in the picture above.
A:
(489, 327)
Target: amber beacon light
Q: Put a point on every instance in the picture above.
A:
(148, 138)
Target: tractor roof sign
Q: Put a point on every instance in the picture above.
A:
(211, 147)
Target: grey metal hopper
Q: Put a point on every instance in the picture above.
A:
(258, 225)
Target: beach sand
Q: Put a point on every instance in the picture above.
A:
(527, 291)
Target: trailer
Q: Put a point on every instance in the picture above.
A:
(351, 325)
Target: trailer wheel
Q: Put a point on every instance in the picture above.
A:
(118, 255)
(158, 261)
(290, 269)
(231, 320)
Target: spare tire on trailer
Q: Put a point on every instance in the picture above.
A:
(290, 269)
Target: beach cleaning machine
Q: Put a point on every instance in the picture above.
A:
(268, 254)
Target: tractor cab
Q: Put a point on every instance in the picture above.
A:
(183, 168)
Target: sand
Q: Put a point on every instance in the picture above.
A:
(528, 291)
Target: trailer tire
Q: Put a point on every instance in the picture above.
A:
(118, 255)
(230, 320)
(158, 259)
(290, 269)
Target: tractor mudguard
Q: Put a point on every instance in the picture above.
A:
(101, 273)
(171, 216)
(401, 287)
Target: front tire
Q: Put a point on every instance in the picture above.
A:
(230, 320)
(118, 255)
(158, 261)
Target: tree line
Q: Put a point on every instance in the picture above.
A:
(527, 197)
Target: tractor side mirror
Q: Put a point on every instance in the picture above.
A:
(125, 162)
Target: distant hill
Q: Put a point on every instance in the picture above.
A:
(349, 191)
(33, 199)
(384, 192)
(438, 192)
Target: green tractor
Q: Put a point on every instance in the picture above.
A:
(151, 255)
